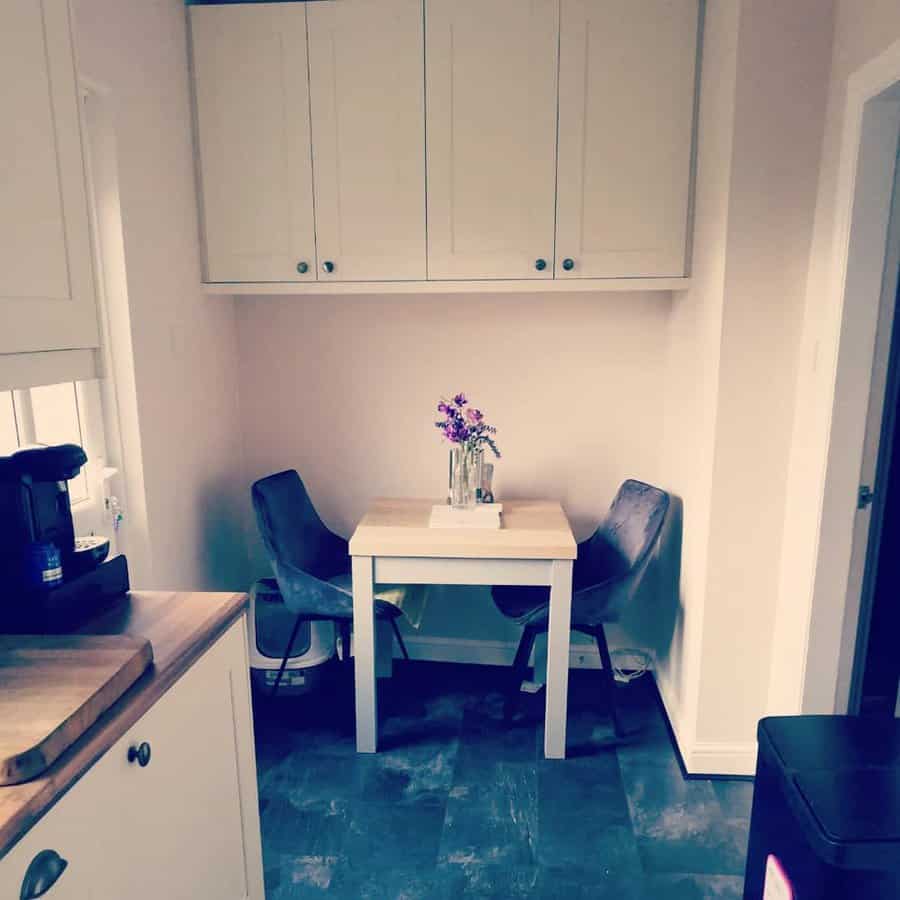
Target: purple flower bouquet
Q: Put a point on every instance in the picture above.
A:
(464, 427)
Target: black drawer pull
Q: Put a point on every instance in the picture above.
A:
(42, 874)
(140, 754)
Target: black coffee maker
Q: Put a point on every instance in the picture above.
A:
(36, 512)
(35, 506)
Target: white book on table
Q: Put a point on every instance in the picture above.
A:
(481, 515)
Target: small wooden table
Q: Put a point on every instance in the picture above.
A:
(394, 545)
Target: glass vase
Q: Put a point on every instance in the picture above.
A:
(465, 476)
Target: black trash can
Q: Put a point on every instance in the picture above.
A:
(826, 809)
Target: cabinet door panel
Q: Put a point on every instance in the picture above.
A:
(368, 126)
(252, 96)
(626, 88)
(75, 830)
(182, 814)
(47, 299)
(491, 73)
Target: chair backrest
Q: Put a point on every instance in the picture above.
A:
(634, 520)
(289, 525)
(611, 562)
(622, 542)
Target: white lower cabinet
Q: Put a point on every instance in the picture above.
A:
(68, 832)
(185, 825)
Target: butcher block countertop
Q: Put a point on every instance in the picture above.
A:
(180, 627)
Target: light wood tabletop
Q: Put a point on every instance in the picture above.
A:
(530, 529)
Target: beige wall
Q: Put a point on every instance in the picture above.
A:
(183, 343)
(863, 29)
(344, 389)
(783, 61)
(693, 344)
(732, 354)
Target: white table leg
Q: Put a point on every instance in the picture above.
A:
(364, 654)
(558, 659)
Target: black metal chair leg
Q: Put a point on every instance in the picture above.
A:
(287, 654)
(399, 638)
(343, 626)
(519, 670)
(610, 679)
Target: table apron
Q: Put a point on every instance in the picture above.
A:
(433, 570)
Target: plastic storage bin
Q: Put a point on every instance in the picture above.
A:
(826, 810)
(270, 624)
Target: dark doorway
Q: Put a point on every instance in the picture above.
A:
(878, 668)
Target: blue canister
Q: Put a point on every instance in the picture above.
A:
(43, 567)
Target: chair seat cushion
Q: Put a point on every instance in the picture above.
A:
(525, 605)
(391, 600)
(531, 605)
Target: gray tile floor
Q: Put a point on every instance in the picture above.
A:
(459, 805)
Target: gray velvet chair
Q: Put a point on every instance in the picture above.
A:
(606, 573)
(311, 563)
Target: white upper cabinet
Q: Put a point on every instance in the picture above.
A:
(491, 73)
(368, 138)
(368, 142)
(47, 289)
(252, 95)
(626, 112)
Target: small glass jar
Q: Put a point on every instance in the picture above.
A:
(487, 483)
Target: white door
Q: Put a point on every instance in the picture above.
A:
(626, 110)
(180, 815)
(491, 71)
(46, 278)
(252, 95)
(368, 128)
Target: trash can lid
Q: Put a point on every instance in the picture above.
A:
(856, 814)
(807, 743)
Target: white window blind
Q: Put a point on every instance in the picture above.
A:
(28, 370)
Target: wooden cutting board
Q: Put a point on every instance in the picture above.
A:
(53, 688)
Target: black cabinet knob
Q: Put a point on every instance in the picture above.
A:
(328, 266)
(540, 264)
(568, 264)
(42, 873)
(140, 754)
(302, 267)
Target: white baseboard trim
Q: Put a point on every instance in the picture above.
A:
(673, 713)
(486, 653)
(705, 757)
(720, 758)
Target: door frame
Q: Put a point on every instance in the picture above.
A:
(842, 342)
